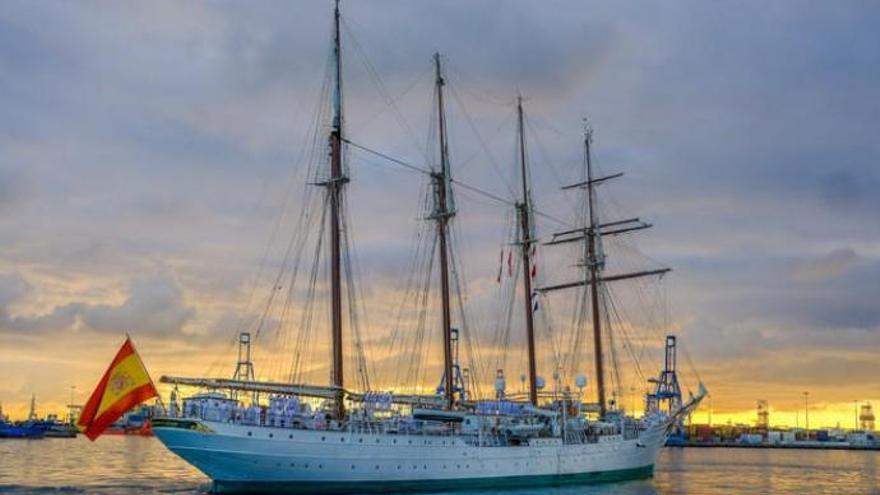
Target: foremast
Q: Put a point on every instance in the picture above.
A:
(526, 240)
(441, 215)
(335, 189)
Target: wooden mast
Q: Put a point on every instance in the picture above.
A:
(524, 210)
(335, 189)
(441, 215)
(593, 265)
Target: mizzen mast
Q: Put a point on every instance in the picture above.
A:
(526, 241)
(335, 187)
(594, 258)
(441, 214)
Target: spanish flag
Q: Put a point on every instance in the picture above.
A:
(124, 385)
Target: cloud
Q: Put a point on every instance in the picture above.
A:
(833, 264)
(154, 305)
(12, 288)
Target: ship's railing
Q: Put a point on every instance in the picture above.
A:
(401, 427)
(396, 425)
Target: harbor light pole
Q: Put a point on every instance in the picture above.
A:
(709, 396)
(855, 415)
(807, 412)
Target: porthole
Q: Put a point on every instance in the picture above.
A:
(250, 433)
(290, 436)
(323, 438)
(360, 440)
(271, 435)
(320, 466)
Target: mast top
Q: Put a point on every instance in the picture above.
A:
(440, 80)
(588, 130)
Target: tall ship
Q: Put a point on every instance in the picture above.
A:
(356, 433)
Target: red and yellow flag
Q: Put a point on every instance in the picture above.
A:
(124, 385)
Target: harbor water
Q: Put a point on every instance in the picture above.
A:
(137, 465)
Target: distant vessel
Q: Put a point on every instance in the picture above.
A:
(34, 427)
(372, 440)
(24, 429)
(13, 430)
(135, 423)
(55, 428)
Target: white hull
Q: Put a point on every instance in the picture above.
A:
(241, 458)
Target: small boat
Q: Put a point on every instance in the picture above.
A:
(13, 430)
(135, 423)
(61, 430)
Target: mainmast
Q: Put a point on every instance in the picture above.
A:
(591, 235)
(335, 189)
(594, 269)
(442, 213)
(524, 211)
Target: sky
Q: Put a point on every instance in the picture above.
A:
(151, 163)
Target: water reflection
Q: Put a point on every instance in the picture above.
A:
(135, 465)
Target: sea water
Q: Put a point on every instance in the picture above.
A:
(121, 465)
